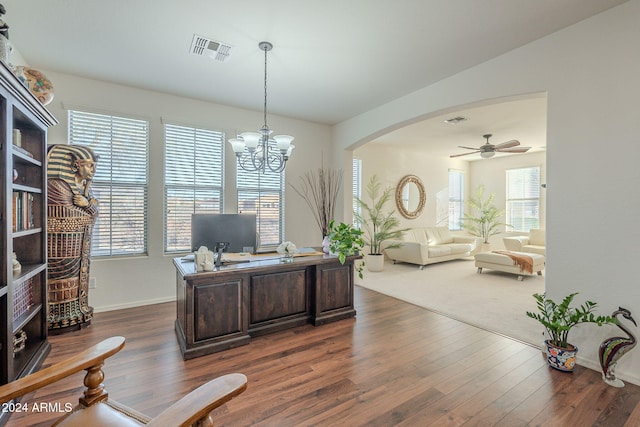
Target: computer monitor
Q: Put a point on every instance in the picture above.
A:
(236, 231)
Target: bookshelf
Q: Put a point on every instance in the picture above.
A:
(23, 222)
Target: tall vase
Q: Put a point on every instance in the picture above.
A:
(325, 244)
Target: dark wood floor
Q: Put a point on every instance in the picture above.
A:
(395, 364)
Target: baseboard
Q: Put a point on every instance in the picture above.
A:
(627, 377)
(133, 304)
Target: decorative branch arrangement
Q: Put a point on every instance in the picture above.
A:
(320, 189)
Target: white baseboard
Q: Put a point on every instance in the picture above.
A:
(132, 304)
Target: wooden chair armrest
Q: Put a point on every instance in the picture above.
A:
(92, 357)
(198, 404)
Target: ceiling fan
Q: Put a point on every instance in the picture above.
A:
(489, 150)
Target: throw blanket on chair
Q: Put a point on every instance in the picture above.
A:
(525, 262)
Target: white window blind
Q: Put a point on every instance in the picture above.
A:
(193, 180)
(456, 199)
(356, 187)
(121, 180)
(523, 198)
(263, 194)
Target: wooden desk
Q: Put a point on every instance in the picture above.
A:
(224, 308)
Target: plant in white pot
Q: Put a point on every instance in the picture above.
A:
(558, 319)
(377, 221)
(484, 220)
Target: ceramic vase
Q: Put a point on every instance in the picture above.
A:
(562, 359)
(325, 244)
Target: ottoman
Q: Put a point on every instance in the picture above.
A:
(507, 261)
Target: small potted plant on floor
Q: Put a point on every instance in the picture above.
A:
(346, 240)
(378, 222)
(558, 319)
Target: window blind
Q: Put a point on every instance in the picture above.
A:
(523, 198)
(356, 178)
(263, 194)
(120, 183)
(193, 180)
(456, 199)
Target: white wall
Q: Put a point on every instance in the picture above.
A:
(590, 74)
(129, 282)
(390, 164)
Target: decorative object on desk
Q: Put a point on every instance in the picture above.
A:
(17, 267)
(287, 250)
(260, 154)
(612, 349)
(320, 189)
(39, 85)
(203, 258)
(485, 220)
(19, 341)
(17, 138)
(378, 222)
(71, 214)
(558, 319)
(346, 240)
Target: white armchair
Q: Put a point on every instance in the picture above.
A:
(533, 243)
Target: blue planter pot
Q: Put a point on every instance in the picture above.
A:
(562, 359)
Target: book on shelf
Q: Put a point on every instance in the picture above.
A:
(22, 210)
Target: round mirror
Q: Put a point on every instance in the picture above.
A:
(410, 196)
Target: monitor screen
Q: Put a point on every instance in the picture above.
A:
(237, 231)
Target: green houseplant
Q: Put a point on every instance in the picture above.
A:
(346, 240)
(558, 319)
(484, 221)
(378, 221)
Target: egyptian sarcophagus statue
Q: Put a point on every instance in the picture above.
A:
(72, 212)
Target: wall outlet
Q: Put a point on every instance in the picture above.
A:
(92, 283)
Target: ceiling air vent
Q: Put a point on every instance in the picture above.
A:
(203, 46)
(456, 120)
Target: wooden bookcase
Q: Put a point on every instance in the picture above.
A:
(23, 221)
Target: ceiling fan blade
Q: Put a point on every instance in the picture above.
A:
(514, 150)
(507, 144)
(464, 154)
(468, 148)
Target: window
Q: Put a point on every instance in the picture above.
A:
(456, 199)
(356, 186)
(523, 198)
(121, 180)
(263, 194)
(193, 171)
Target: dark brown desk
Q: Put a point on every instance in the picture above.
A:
(224, 308)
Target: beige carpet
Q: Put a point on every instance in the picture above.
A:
(493, 300)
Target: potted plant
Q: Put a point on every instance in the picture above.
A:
(484, 221)
(558, 319)
(378, 222)
(346, 240)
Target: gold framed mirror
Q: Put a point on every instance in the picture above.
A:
(410, 197)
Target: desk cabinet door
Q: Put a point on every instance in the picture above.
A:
(218, 309)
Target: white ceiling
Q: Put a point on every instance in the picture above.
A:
(331, 60)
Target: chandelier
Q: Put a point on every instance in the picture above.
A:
(258, 151)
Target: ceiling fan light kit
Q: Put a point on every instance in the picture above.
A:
(488, 150)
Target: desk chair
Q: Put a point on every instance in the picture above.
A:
(96, 410)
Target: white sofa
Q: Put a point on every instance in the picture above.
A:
(428, 245)
(534, 243)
